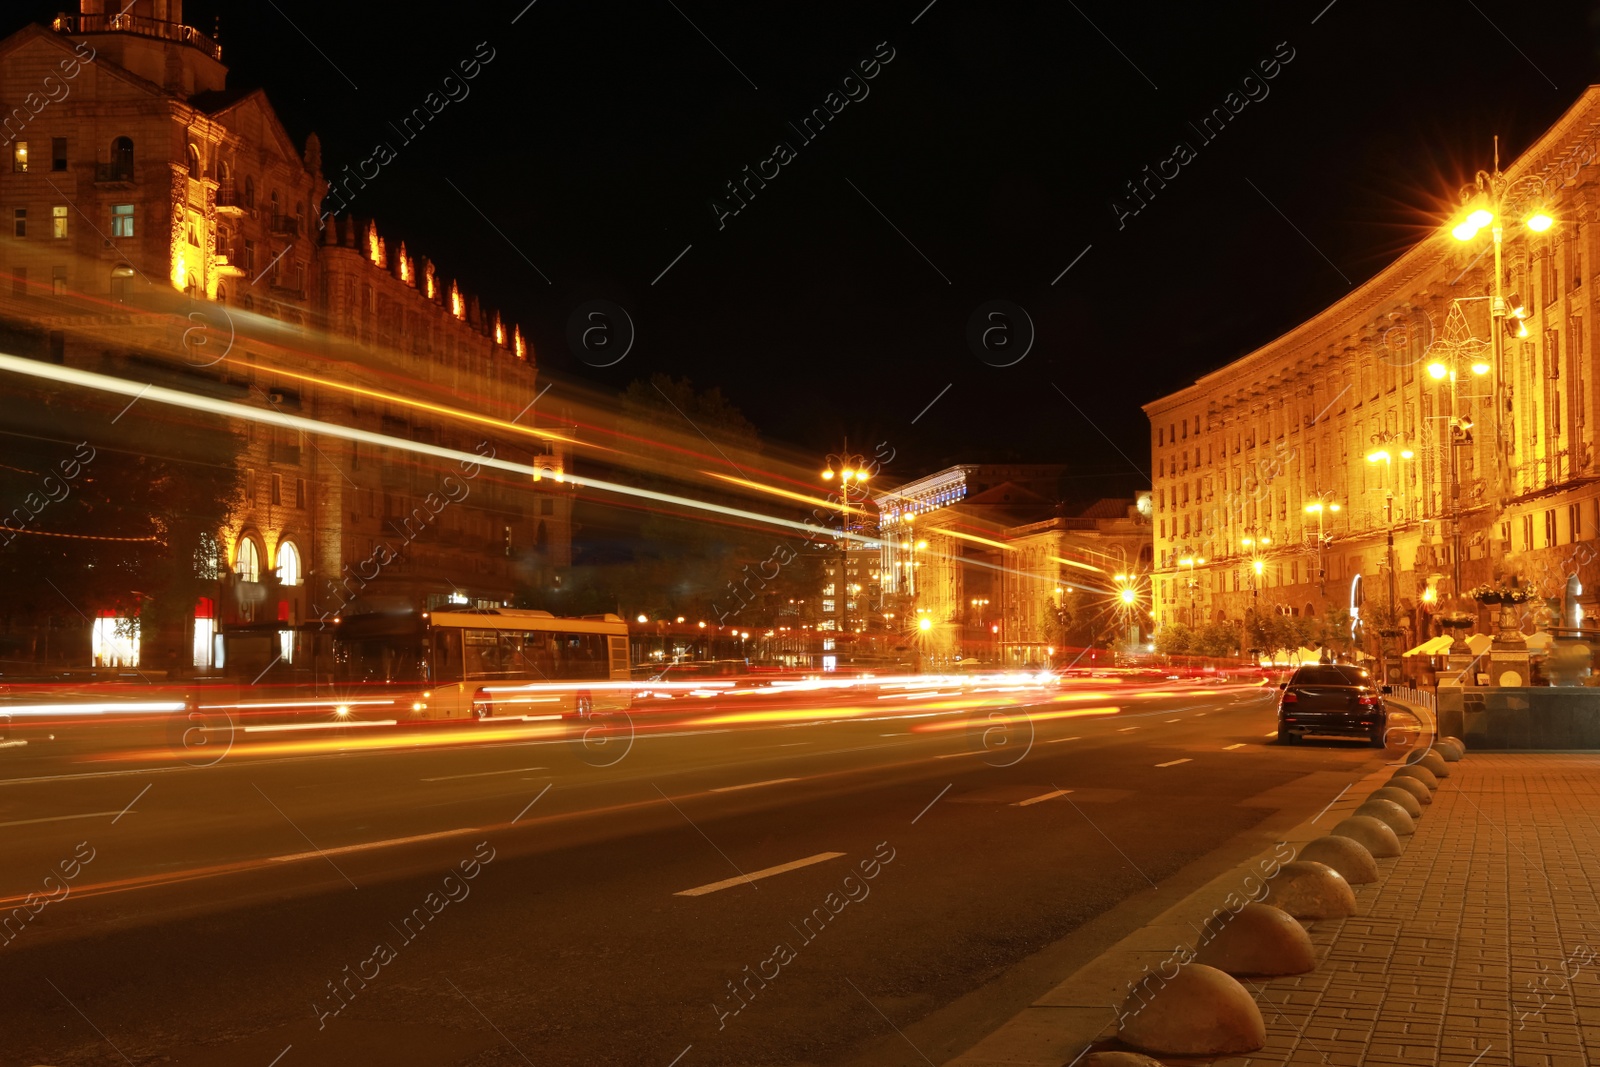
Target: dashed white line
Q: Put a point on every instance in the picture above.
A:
(1174, 720)
(1174, 763)
(729, 883)
(752, 785)
(62, 818)
(953, 755)
(1230, 748)
(1272, 734)
(1125, 729)
(1058, 740)
(1041, 798)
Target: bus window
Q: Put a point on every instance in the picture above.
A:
(446, 656)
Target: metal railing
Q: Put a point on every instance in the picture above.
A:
(1420, 697)
(137, 24)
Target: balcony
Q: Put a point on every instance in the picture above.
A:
(229, 201)
(139, 26)
(286, 225)
(113, 173)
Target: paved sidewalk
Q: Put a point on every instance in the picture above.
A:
(1479, 945)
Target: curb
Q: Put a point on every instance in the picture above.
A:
(1065, 1024)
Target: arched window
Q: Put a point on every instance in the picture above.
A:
(247, 564)
(194, 163)
(121, 160)
(288, 564)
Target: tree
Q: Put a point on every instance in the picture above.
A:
(110, 507)
(1175, 639)
(1334, 629)
(1217, 639)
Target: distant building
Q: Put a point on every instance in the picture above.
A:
(1280, 478)
(135, 172)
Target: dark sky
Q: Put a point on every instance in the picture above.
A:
(994, 142)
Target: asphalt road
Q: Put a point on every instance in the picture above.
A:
(866, 888)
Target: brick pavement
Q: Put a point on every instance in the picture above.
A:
(1480, 945)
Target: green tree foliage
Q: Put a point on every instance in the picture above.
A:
(1216, 639)
(1175, 639)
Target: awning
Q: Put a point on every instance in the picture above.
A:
(1433, 646)
(1539, 641)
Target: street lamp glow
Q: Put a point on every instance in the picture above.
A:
(1313, 508)
(1378, 455)
(925, 624)
(1333, 507)
(1407, 454)
(1186, 562)
(1480, 368)
(922, 544)
(827, 476)
(1437, 371)
(1539, 222)
(1260, 567)
(1464, 232)
(1480, 218)
(644, 618)
(1129, 596)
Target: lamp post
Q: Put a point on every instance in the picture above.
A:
(1191, 561)
(850, 471)
(978, 604)
(1321, 506)
(1460, 429)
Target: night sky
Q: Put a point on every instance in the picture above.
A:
(975, 165)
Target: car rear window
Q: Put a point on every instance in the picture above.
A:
(1325, 676)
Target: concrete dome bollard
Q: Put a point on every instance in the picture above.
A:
(1199, 1012)
(1462, 745)
(1421, 774)
(1344, 854)
(1373, 835)
(1431, 760)
(1423, 794)
(1119, 1059)
(1389, 812)
(1310, 890)
(1260, 940)
(1451, 751)
(1412, 806)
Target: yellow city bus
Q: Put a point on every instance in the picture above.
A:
(483, 663)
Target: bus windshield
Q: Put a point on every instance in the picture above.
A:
(381, 659)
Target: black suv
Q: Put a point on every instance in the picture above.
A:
(1335, 699)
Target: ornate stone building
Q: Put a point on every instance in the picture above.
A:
(1431, 404)
(152, 211)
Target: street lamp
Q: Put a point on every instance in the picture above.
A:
(1444, 370)
(1321, 506)
(851, 471)
(1191, 561)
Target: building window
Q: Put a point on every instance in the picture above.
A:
(122, 220)
(1549, 527)
(58, 221)
(194, 163)
(1527, 532)
(1574, 522)
(277, 489)
(58, 153)
(58, 281)
(288, 564)
(547, 507)
(19, 156)
(827, 606)
(247, 564)
(121, 169)
(300, 493)
(20, 222)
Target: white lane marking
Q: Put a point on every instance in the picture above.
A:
(61, 818)
(1174, 763)
(1230, 748)
(1041, 798)
(1058, 740)
(953, 755)
(898, 733)
(1174, 720)
(792, 744)
(782, 868)
(483, 774)
(752, 785)
(1273, 734)
(12, 744)
(366, 846)
(1125, 729)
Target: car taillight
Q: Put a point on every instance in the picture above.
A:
(1290, 698)
(1370, 701)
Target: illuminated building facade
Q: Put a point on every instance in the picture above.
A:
(130, 171)
(1280, 478)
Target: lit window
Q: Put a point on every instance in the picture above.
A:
(58, 221)
(247, 565)
(19, 156)
(122, 220)
(288, 564)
